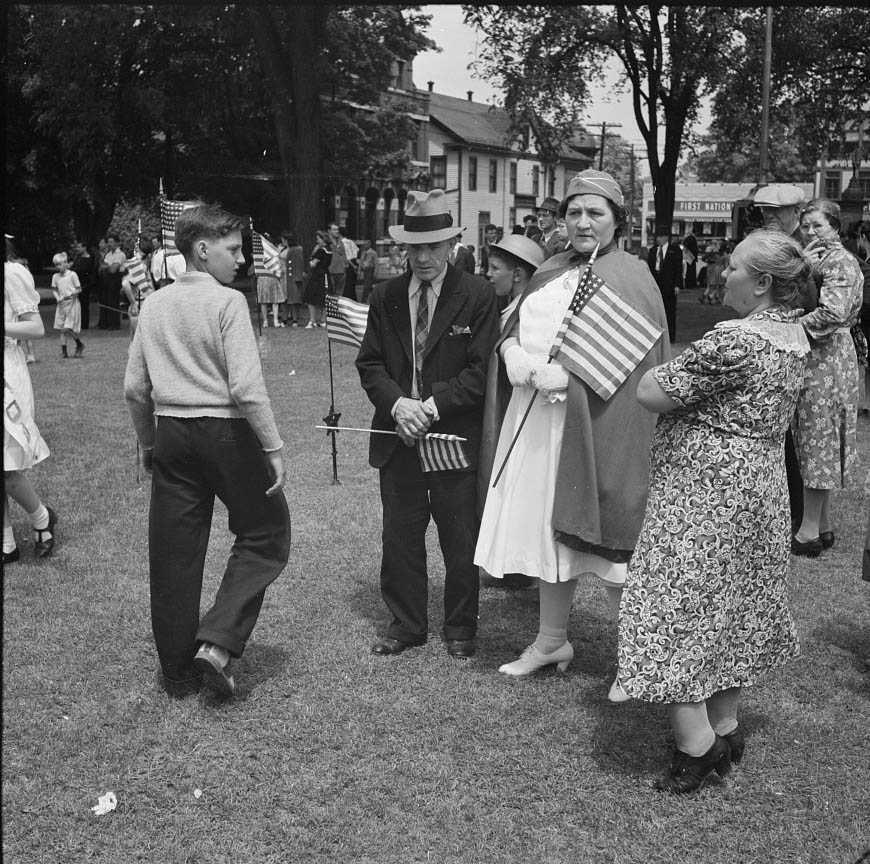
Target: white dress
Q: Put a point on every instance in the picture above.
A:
(23, 446)
(516, 532)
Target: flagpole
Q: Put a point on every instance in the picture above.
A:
(333, 417)
(581, 284)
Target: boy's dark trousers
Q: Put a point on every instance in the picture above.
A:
(196, 459)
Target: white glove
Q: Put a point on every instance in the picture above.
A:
(519, 366)
(549, 378)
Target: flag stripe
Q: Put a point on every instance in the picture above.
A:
(346, 320)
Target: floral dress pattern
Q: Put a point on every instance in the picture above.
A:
(825, 426)
(705, 603)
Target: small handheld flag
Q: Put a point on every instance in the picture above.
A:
(345, 320)
(603, 338)
(441, 453)
(266, 260)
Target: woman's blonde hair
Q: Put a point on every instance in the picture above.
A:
(778, 254)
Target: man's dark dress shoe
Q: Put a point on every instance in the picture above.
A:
(463, 648)
(810, 549)
(387, 646)
(688, 773)
(827, 538)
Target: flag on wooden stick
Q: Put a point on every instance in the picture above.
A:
(439, 452)
(266, 260)
(603, 338)
(346, 320)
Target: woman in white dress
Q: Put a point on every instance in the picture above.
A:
(572, 495)
(23, 446)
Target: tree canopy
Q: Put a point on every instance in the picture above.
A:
(543, 56)
(109, 98)
(820, 80)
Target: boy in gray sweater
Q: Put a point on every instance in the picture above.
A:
(194, 366)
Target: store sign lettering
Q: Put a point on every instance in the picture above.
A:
(703, 206)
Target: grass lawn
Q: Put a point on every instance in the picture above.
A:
(330, 754)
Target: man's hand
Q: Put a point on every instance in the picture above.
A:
(275, 460)
(412, 421)
(146, 458)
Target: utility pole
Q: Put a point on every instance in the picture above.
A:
(603, 135)
(765, 99)
(631, 204)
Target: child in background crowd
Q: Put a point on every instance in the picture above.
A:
(66, 287)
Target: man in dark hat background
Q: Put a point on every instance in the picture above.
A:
(423, 365)
(549, 239)
(665, 260)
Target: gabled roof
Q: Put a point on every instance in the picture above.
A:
(472, 122)
(487, 126)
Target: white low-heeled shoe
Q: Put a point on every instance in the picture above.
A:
(617, 694)
(532, 660)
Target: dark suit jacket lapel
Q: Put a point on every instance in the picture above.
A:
(396, 303)
(449, 303)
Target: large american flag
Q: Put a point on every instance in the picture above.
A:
(266, 260)
(346, 320)
(440, 452)
(169, 211)
(603, 338)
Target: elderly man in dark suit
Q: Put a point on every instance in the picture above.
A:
(665, 260)
(423, 365)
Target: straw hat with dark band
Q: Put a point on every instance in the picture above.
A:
(427, 219)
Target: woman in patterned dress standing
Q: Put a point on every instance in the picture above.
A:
(704, 610)
(825, 426)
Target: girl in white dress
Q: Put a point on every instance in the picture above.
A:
(23, 446)
(66, 288)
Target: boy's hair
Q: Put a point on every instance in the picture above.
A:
(512, 261)
(204, 221)
(58, 258)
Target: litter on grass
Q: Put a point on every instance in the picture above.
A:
(197, 793)
(105, 804)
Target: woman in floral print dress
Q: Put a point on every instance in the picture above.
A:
(704, 610)
(825, 426)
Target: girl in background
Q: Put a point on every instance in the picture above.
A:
(23, 446)
(66, 288)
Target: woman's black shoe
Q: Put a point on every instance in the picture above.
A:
(688, 773)
(736, 743)
(810, 549)
(827, 538)
(11, 557)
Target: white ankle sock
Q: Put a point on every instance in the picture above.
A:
(8, 540)
(39, 518)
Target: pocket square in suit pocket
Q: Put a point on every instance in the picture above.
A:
(456, 330)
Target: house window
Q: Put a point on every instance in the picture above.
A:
(864, 182)
(513, 180)
(536, 181)
(551, 183)
(472, 173)
(512, 217)
(493, 175)
(438, 172)
(833, 184)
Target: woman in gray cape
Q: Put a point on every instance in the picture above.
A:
(572, 495)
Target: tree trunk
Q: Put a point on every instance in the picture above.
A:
(292, 72)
